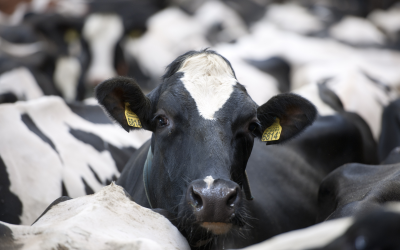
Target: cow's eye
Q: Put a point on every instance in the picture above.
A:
(162, 121)
(254, 128)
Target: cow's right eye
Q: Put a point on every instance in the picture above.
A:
(254, 128)
(162, 121)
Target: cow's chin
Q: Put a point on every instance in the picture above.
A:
(217, 228)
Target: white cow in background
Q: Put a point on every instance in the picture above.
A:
(162, 43)
(365, 79)
(108, 219)
(21, 82)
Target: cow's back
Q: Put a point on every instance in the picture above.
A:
(285, 179)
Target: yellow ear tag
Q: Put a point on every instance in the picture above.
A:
(131, 118)
(272, 133)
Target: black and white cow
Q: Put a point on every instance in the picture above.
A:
(108, 219)
(194, 167)
(50, 48)
(355, 188)
(105, 29)
(377, 229)
(67, 54)
(24, 63)
(49, 149)
(358, 188)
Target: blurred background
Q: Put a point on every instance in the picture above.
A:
(67, 47)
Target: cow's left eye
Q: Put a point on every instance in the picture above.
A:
(162, 121)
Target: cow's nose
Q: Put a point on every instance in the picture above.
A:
(213, 201)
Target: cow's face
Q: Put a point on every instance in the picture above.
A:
(204, 124)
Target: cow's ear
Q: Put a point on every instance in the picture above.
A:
(284, 116)
(124, 101)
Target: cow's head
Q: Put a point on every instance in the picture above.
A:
(204, 124)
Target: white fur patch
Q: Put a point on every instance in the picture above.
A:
(36, 170)
(209, 80)
(102, 31)
(106, 220)
(66, 76)
(21, 82)
(20, 50)
(209, 180)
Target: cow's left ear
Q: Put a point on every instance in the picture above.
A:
(285, 116)
(124, 101)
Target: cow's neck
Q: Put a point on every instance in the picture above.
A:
(146, 170)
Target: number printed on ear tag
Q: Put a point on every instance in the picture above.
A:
(272, 133)
(131, 118)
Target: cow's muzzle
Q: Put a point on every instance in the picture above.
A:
(214, 203)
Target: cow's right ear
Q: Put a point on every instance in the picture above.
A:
(125, 102)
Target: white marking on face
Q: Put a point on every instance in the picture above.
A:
(209, 180)
(209, 80)
(102, 31)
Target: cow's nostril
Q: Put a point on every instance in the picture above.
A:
(232, 198)
(195, 199)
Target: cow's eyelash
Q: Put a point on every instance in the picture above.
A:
(156, 116)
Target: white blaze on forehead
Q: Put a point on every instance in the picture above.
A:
(209, 80)
(209, 180)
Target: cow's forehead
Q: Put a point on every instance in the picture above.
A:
(210, 81)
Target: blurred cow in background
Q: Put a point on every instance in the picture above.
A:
(50, 149)
(66, 47)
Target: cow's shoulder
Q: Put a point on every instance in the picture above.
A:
(356, 188)
(335, 140)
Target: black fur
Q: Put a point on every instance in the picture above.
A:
(112, 95)
(10, 204)
(390, 135)
(189, 148)
(357, 188)
(32, 127)
(295, 114)
(329, 97)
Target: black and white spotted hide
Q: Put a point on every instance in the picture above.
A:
(49, 149)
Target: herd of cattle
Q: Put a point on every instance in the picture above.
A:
(200, 150)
